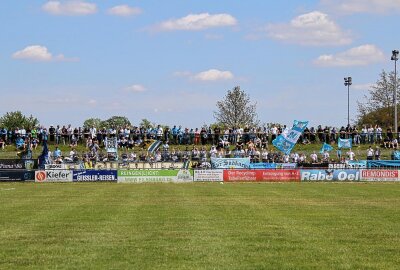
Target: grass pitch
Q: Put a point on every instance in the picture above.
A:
(200, 226)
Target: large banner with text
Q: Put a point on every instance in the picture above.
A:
(155, 176)
(261, 176)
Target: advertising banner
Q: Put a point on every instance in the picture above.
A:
(54, 166)
(286, 165)
(53, 176)
(94, 175)
(18, 164)
(10, 176)
(261, 175)
(357, 164)
(263, 165)
(279, 175)
(154, 176)
(230, 163)
(330, 175)
(379, 175)
(375, 164)
(208, 175)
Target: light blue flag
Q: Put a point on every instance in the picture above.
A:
(287, 140)
(326, 147)
(396, 155)
(344, 143)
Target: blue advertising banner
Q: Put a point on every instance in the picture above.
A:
(383, 163)
(286, 165)
(94, 175)
(230, 163)
(263, 165)
(330, 175)
(287, 140)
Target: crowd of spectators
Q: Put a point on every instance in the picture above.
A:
(177, 135)
(225, 142)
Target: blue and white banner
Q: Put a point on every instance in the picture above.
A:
(344, 143)
(263, 165)
(326, 147)
(287, 140)
(330, 175)
(383, 163)
(94, 175)
(357, 164)
(230, 163)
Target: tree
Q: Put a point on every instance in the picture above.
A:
(236, 110)
(146, 123)
(379, 106)
(96, 122)
(116, 121)
(16, 119)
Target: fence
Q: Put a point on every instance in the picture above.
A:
(188, 176)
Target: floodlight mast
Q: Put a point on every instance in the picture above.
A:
(347, 82)
(395, 57)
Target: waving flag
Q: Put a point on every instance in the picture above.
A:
(154, 146)
(344, 143)
(286, 141)
(326, 147)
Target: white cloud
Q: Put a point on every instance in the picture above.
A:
(362, 87)
(196, 22)
(358, 56)
(362, 6)
(213, 75)
(72, 7)
(40, 54)
(124, 10)
(182, 73)
(92, 102)
(136, 88)
(314, 29)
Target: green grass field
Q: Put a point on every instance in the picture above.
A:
(200, 226)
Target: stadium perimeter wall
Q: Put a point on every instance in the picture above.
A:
(188, 176)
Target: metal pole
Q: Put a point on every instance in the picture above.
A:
(348, 105)
(395, 97)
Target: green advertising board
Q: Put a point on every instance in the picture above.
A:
(155, 176)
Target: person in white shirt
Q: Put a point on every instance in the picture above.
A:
(371, 133)
(351, 154)
(93, 132)
(378, 132)
(314, 157)
(370, 153)
(274, 132)
(213, 151)
(395, 143)
(325, 156)
(264, 155)
(160, 132)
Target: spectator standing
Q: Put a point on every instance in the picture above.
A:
(371, 132)
(378, 132)
(314, 157)
(370, 153)
(350, 154)
(377, 153)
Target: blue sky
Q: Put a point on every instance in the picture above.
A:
(171, 61)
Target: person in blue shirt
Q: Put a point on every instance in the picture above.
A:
(174, 132)
(57, 153)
